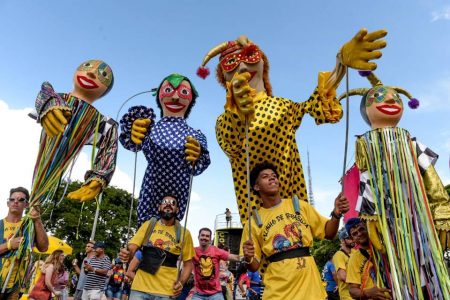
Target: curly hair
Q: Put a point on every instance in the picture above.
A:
(258, 168)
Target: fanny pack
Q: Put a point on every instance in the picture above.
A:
(153, 257)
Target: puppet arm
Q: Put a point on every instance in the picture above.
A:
(104, 164)
(135, 125)
(53, 112)
(322, 105)
(239, 106)
(439, 201)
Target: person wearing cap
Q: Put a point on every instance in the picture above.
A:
(171, 147)
(360, 269)
(282, 233)
(17, 202)
(272, 122)
(340, 262)
(96, 272)
(165, 238)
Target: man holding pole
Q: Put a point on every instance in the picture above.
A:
(283, 232)
(162, 242)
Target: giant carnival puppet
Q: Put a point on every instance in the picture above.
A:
(272, 122)
(69, 122)
(402, 199)
(174, 150)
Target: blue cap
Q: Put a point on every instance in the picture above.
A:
(99, 244)
(352, 223)
(117, 261)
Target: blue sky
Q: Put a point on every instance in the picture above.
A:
(144, 41)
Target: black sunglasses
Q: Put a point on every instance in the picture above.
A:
(18, 199)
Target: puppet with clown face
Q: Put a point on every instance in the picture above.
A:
(272, 121)
(402, 198)
(170, 145)
(69, 122)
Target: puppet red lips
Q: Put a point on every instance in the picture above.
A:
(174, 107)
(389, 109)
(86, 82)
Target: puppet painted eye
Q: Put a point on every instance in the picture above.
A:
(104, 73)
(185, 91)
(168, 89)
(87, 64)
(231, 61)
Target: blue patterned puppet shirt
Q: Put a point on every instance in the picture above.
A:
(167, 171)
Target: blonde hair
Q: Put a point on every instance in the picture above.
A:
(54, 260)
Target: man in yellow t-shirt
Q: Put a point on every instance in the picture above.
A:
(10, 241)
(163, 283)
(360, 270)
(340, 262)
(284, 235)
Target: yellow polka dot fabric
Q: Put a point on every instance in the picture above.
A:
(272, 139)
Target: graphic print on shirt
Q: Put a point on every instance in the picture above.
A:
(207, 269)
(168, 243)
(291, 240)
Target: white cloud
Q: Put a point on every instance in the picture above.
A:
(20, 139)
(443, 14)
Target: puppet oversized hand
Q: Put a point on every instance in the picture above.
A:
(361, 48)
(192, 149)
(374, 231)
(86, 192)
(242, 93)
(139, 129)
(55, 121)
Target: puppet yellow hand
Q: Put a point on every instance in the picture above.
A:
(86, 192)
(363, 47)
(55, 121)
(139, 129)
(192, 149)
(374, 235)
(243, 94)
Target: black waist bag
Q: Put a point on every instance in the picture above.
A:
(152, 259)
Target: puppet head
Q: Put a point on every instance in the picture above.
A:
(93, 79)
(176, 96)
(239, 56)
(381, 106)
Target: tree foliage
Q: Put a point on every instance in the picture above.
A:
(71, 221)
(322, 249)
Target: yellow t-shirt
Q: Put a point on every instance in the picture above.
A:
(360, 270)
(282, 230)
(9, 231)
(163, 237)
(340, 261)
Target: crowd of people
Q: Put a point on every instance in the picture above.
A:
(160, 261)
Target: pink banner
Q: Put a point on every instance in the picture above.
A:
(351, 189)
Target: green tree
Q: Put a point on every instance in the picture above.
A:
(322, 249)
(447, 188)
(68, 221)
